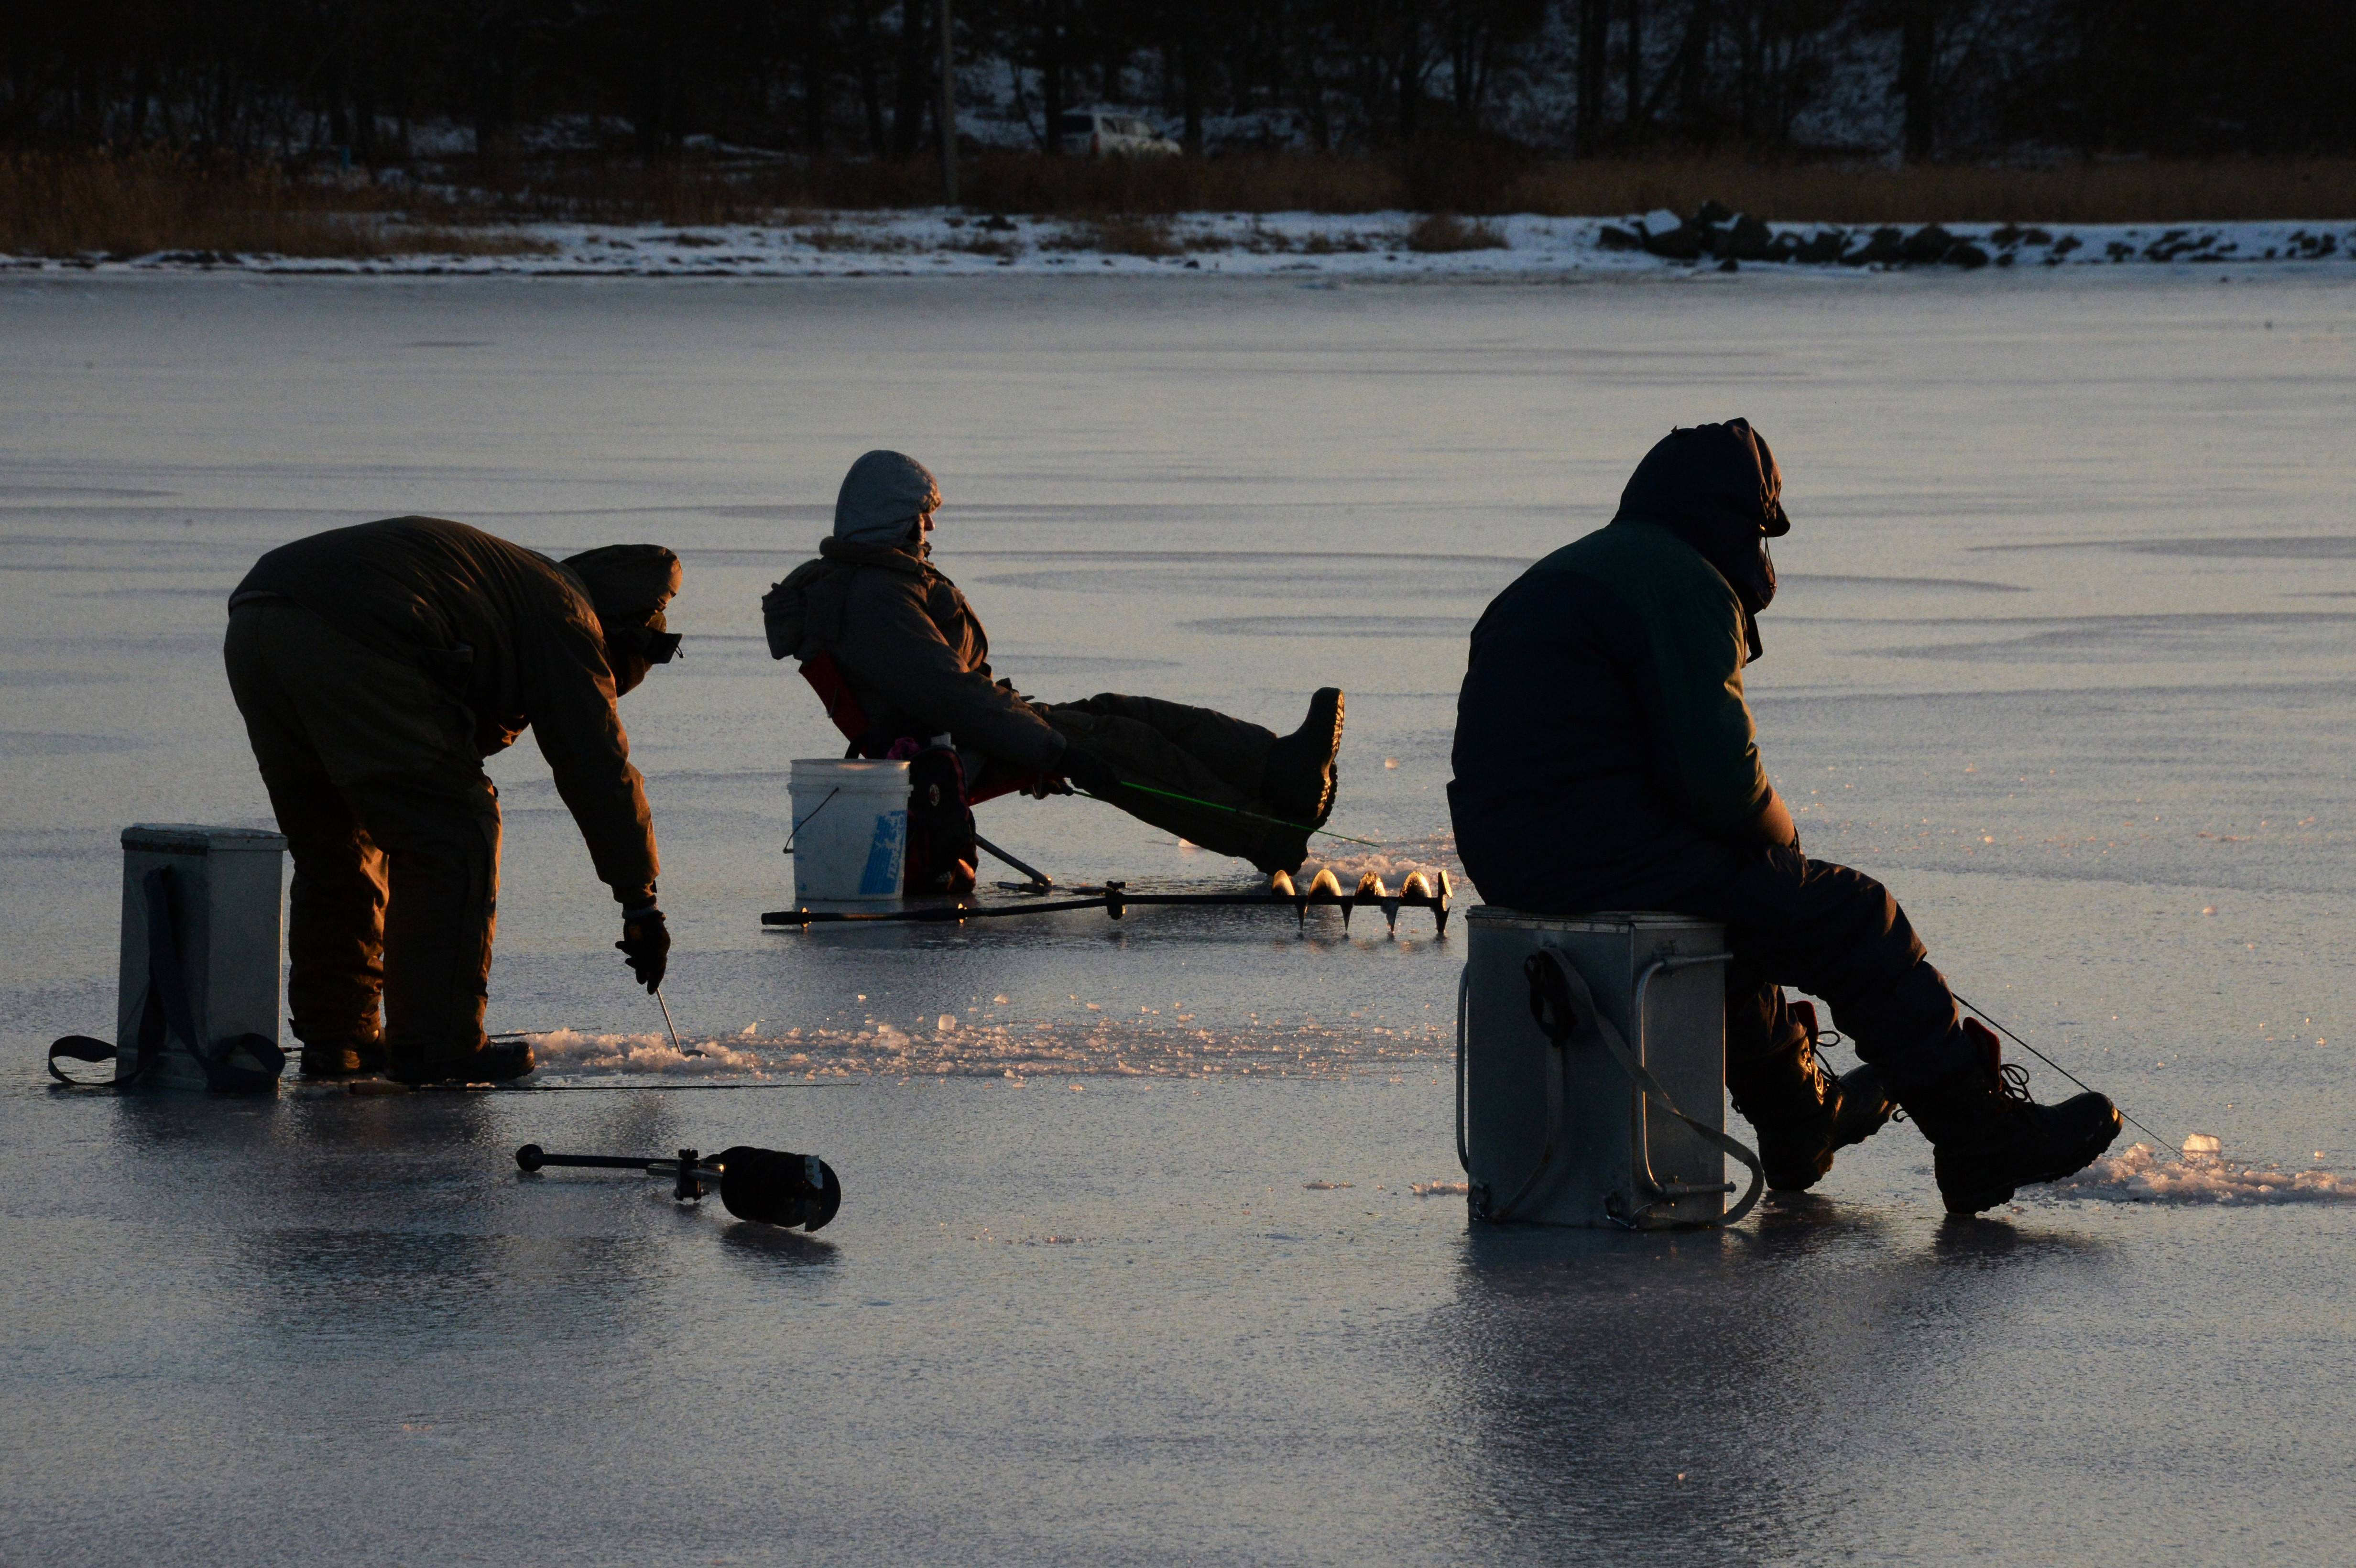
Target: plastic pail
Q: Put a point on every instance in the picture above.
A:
(850, 828)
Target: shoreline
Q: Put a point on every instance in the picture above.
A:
(1366, 246)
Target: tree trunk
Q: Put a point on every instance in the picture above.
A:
(814, 79)
(1693, 63)
(1050, 73)
(1594, 74)
(1190, 69)
(871, 95)
(1917, 45)
(1636, 67)
(945, 116)
(913, 81)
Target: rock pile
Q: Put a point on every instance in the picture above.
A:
(1716, 232)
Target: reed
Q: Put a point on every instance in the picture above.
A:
(96, 203)
(139, 204)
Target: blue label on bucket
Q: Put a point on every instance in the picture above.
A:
(882, 877)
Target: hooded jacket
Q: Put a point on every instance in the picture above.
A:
(882, 498)
(912, 649)
(1603, 748)
(510, 633)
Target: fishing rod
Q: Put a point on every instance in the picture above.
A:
(769, 1187)
(1433, 892)
(1990, 1019)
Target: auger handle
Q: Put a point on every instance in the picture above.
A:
(531, 1156)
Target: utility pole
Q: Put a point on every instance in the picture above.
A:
(948, 116)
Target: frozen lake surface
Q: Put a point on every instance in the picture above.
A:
(2063, 653)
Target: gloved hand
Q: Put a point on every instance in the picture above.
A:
(645, 943)
(1090, 772)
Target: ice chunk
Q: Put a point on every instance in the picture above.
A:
(1437, 1189)
(1660, 221)
(2204, 1143)
(2146, 1175)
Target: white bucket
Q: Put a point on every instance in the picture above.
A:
(850, 828)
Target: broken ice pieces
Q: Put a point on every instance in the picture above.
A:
(2204, 1143)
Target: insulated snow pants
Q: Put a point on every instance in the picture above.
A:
(1831, 931)
(394, 831)
(1193, 751)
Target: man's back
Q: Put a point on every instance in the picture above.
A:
(1602, 736)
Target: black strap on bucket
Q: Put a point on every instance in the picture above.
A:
(167, 1011)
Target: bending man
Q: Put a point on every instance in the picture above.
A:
(913, 655)
(1605, 759)
(376, 668)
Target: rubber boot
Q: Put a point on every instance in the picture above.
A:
(498, 1062)
(1802, 1114)
(1988, 1137)
(1301, 779)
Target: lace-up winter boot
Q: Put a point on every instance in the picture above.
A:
(344, 1058)
(1987, 1136)
(1803, 1113)
(1301, 779)
(498, 1062)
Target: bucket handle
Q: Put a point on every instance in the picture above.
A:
(804, 822)
(1463, 1018)
(1632, 1064)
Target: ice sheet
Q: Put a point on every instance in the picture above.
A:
(1119, 1326)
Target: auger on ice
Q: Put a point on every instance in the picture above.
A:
(768, 1187)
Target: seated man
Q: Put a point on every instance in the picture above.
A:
(1605, 759)
(915, 656)
(376, 666)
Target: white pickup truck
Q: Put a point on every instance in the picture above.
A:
(1101, 133)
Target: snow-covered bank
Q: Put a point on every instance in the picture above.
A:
(938, 243)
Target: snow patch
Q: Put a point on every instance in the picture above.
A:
(2143, 1175)
(1333, 247)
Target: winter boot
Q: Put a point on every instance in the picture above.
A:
(1801, 1112)
(1300, 782)
(495, 1062)
(357, 1057)
(1987, 1136)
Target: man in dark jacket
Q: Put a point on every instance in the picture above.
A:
(917, 660)
(1605, 759)
(376, 668)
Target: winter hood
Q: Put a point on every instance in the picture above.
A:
(883, 494)
(1716, 487)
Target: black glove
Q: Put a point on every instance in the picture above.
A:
(1090, 772)
(645, 943)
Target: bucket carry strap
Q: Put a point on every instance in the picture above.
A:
(166, 1010)
(1564, 1008)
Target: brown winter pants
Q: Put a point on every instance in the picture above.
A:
(1196, 752)
(372, 772)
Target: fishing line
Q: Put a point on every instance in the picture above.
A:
(2173, 1149)
(1238, 811)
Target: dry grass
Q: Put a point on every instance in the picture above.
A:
(93, 204)
(141, 204)
(1122, 235)
(1446, 231)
